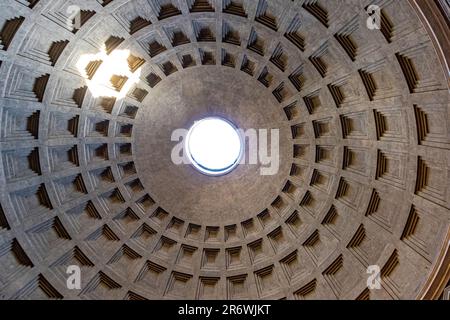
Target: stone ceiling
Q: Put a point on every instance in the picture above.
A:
(86, 179)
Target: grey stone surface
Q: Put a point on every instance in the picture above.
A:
(365, 161)
(188, 96)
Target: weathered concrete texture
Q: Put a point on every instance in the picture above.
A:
(364, 119)
(189, 96)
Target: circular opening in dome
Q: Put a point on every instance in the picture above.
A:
(214, 146)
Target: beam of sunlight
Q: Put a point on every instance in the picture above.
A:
(114, 64)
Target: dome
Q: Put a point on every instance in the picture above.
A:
(98, 100)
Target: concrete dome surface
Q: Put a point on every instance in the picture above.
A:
(91, 93)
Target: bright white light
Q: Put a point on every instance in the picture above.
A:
(115, 63)
(214, 146)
